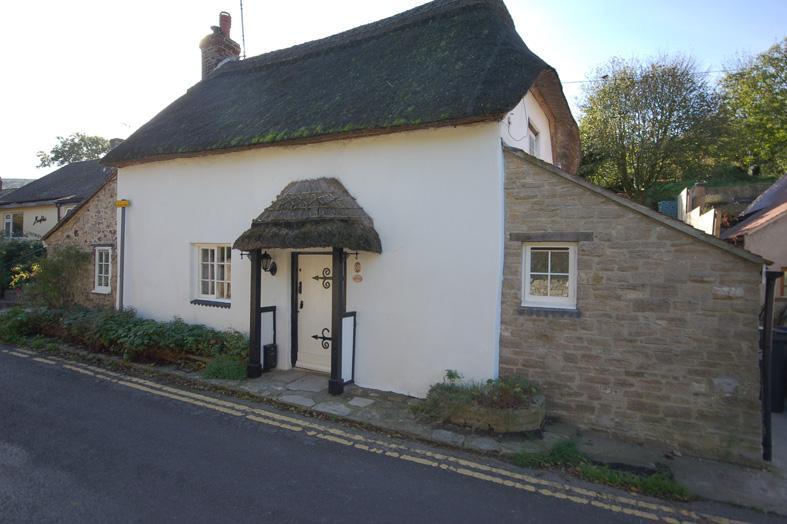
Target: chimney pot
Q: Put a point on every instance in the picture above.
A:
(225, 23)
(217, 47)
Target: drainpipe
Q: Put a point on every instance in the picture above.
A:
(766, 364)
(122, 205)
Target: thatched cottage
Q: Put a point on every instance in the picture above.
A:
(398, 199)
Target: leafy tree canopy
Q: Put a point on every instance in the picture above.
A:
(644, 122)
(755, 102)
(73, 148)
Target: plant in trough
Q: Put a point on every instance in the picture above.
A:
(494, 404)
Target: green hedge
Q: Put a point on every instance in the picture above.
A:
(122, 333)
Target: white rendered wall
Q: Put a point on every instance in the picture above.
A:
(513, 128)
(427, 304)
(770, 242)
(705, 222)
(29, 227)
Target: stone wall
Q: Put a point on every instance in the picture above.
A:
(93, 224)
(664, 350)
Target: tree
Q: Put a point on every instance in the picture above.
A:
(754, 98)
(73, 148)
(646, 122)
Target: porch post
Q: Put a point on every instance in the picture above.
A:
(338, 305)
(254, 368)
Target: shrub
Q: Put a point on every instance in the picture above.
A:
(450, 396)
(14, 324)
(52, 280)
(123, 333)
(20, 254)
(225, 367)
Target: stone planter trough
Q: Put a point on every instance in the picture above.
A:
(519, 420)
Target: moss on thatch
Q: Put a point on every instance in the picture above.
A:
(445, 62)
(312, 213)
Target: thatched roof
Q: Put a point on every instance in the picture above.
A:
(446, 62)
(312, 213)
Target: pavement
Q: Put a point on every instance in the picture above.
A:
(80, 443)
(763, 487)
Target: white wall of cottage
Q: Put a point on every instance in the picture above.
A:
(513, 127)
(428, 303)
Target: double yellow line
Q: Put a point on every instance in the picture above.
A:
(627, 505)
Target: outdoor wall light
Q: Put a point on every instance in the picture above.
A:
(267, 263)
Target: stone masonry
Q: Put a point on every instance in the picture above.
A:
(664, 350)
(92, 224)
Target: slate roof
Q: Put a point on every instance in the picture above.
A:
(773, 196)
(312, 213)
(71, 183)
(445, 62)
(755, 221)
(770, 205)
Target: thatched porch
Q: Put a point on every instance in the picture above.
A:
(317, 213)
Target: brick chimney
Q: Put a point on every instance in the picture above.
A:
(218, 46)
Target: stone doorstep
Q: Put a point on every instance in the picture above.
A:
(390, 412)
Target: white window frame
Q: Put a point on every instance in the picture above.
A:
(533, 139)
(98, 287)
(569, 302)
(227, 282)
(8, 225)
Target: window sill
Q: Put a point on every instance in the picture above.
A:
(101, 291)
(211, 303)
(532, 311)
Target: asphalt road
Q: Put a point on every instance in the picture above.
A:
(74, 448)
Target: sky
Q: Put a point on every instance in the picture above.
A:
(106, 67)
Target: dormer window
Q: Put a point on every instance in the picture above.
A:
(533, 142)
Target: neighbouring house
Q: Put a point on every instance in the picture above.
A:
(398, 199)
(762, 229)
(35, 208)
(693, 210)
(710, 208)
(92, 227)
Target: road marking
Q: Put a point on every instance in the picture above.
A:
(614, 503)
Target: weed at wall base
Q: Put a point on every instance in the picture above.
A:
(565, 455)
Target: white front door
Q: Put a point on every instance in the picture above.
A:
(314, 312)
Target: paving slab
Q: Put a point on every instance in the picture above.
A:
(286, 376)
(334, 408)
(313, 383)
(486, 444)
(361, 402)
(448, 437)
(298, 400)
